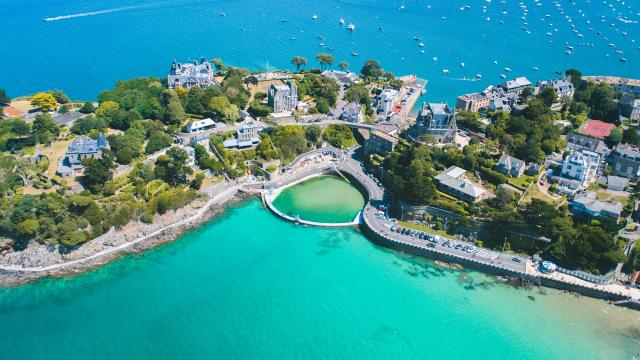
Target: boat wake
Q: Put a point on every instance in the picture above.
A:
(102, 12)
(466, 79)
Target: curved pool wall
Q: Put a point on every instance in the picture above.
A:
(268, 199)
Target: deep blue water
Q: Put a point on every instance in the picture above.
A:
(86, 54)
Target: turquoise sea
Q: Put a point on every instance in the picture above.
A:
(95, 43)
(251, 286)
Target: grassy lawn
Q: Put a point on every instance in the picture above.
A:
(424, 228)
(535, 193)
(604, 195)
(54, 153)
(523, 181)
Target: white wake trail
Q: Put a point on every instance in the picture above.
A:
(102, 12)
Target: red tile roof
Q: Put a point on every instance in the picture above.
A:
(10, 111)
(598, 129)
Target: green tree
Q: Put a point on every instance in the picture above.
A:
(313, 133)
(290, 141)
(197, 181)
(630, 136)
(172, 167)
(576, 77)
(325, 60)
(614, 138)
(174, 113)
(4, 99)
(195, 101)
(256, 109)
(87, 108)
(44, 129)
(158, 141)
(60, 97)
(28, 228)
(84, 125)
(97, 172)
(219, 65)
(322, 104)
(371, 69)
(343, 65)
(299, 61)
(548, 96)
(339, 135)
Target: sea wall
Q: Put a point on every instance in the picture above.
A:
(493, 269)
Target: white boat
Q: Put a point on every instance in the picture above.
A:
(341, 21)
(507, 69)
(354, 54)
(435, 58)
(479, 76)
(503, 76)
(222, 14)
(535, 68)
(446, 71)
(421, 44)
(351, 27)
(461, 64)
(623, 60)
(314, 17)
(495, 62)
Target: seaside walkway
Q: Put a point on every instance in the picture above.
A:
(491, 261)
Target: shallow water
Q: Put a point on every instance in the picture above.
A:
(249, 285)
(326, 199)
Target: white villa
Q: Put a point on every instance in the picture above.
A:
(188, 75)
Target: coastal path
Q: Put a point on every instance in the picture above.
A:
(226, 193)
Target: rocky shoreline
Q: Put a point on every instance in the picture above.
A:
(36, 255)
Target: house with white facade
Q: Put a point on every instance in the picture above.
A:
(200, 125)
(385, 101)
(452, 182)
(581, 166)
(563, 87)
(188, 75)
(516, 86)
(341, 77)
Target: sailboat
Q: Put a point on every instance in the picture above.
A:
(341, 21)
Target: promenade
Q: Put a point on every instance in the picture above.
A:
(378, 229)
